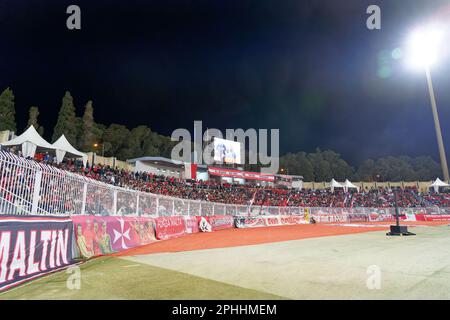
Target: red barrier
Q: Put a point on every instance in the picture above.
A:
(268, 221)
(191, 224)
(324, 218)
(286, 220)
(436, 217)
(220, 222)
(249, 222)
(98, 235)
(170, 227)
(273, 221)
(420, 217)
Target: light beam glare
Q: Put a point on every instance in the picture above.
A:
(424, 46)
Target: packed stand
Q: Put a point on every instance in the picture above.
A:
(250, 194)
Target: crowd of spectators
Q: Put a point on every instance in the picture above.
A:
(250, 194)
(256, 195)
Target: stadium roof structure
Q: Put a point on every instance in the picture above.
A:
(63, 147)
(30, 140)
(437, 184)
(161, 160)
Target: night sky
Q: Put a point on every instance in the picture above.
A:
(310, 68)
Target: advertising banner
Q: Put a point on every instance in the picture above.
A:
(218, 222)
(204, 225)
(233, 173)
(100, 235)
(357, 217)
(33, 246)
(249, 222)
(286, 220)
(169, 227)
(272, 221)
(191, 224)
(268, 221)
(380, 215)
(410, 217)
(435, 217)
(324, 218)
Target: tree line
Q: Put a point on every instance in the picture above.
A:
(119, 141)
(85, 134)
(326, 165)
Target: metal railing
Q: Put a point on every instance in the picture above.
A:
(31, 188)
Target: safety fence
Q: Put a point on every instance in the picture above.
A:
(31, 188)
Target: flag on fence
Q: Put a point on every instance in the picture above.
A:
(253, 198)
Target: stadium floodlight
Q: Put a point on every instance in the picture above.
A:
(424, 48)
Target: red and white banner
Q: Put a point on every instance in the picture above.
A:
(191, 224)
(249, 222)
(286, 220)
(324, 218)
(232, 173)
(169, 227)
(433, 217)
(380, 216)
(218, 222)
(272, 221)
(268, 221)
(357, 217)
(98, 235)
(190, 170)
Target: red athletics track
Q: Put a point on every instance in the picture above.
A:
(242, 237)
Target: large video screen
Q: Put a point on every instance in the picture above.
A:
(227, 151)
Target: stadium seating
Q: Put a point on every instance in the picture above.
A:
(257, 196)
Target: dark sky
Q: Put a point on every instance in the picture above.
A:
(309, 68)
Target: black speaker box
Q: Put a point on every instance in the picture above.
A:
(400, 231)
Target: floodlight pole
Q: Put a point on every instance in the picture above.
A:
(437, 125)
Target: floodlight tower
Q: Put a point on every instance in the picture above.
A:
(424, 47)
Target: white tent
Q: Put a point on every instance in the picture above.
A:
(349, 185)
(30, 140)
(335, 184)
(63, 148)
(437, 184)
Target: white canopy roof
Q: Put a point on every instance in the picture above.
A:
(439, 183)
(30, 140)
(63, 147)
(335, 184)
(348, 184)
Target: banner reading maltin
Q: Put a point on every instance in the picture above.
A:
(33, 246)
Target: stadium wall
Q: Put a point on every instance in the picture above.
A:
(6, 135)
(33, 246)
(113, 162)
